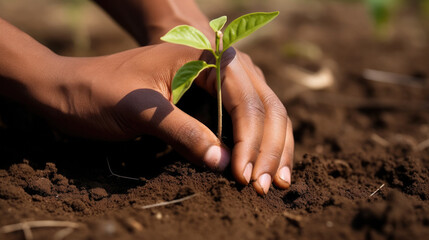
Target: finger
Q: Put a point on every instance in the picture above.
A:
(283, 177)
(274, 134)
(247, 114)
(274, 130)
(273, 141)
(193, 140)
(188, 136)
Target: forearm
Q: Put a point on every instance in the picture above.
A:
(25, 64)
(148, 20)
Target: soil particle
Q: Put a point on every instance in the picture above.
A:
(77, 205)
(22, 173)
(3, 173)
(9, 191)
(98, 193)
(61, 184)
(41, 186)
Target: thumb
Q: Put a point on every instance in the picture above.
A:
(192, 139)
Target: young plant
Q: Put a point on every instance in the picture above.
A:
(190, 36)
(382, 13)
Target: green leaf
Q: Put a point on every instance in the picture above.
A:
(218, 23)
(245, 25)
(189, 36)
(185, 76)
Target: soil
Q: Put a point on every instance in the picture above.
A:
(361, 168)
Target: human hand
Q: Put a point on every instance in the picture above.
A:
(263, 138)
(125, 95)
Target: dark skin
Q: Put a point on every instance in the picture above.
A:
(127, 94)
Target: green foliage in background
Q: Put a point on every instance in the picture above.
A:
(81, 40)
(381, 10)
(424, 6)
(384, 12)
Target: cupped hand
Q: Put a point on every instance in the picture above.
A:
(125, 95)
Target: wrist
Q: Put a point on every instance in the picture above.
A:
(25, 64)
(37, 86)
(160, 25)
(148, 20)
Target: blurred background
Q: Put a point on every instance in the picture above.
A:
(79, 27)
(361, 64)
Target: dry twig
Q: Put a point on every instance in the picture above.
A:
(167, 150)
(392, 78)
(117, 175)
(376, 138)
(423, 145)
(378, 189)
(26, 227)
(169, 202)
(322, 79)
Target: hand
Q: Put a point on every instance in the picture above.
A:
(263, 138)
(124, 95)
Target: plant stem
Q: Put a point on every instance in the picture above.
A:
(219, 100)
(218, 57)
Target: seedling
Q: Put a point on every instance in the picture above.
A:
(381, 12)
(190, 36)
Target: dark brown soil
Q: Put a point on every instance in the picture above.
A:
(351, 139)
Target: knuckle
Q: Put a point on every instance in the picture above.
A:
(273, 156)
(275, 107)
(250, 106)
(254, 107)
(245, 57)
(269, 161)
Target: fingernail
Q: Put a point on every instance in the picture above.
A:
(284, 174)
(217, 158)
(248, 172)
(265, 182)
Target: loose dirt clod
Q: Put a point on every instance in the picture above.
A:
(98, 193)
